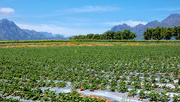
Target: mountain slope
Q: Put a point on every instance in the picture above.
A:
(10, 31)
(171, 21)
(121, 27)
(55, 36)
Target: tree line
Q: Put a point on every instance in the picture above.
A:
(109, 35)
(160, 33)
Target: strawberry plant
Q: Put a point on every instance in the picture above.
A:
(142, 94)
(153, 96)
(122, 87)
(148, 86)
(112, 88)
(164, 97)
(176, 89)
(60, 84)
(176, 98)
(155, 86)
(8, 100)
(132, 92)
(137, 85)
(87, 68)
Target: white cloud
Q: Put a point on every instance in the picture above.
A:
(6, 11)
(92, 9)
(60, 30)
(129, 22)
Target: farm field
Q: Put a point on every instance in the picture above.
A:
(116, 71)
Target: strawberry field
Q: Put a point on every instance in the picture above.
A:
(138, 73)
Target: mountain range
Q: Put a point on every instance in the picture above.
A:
(10, 31)
(171, 21)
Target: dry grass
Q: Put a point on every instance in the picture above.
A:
(139, 44)
(83, 44)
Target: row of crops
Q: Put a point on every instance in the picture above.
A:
(149, 72)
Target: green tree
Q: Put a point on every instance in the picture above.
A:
(102, 36)
(117, 35)
(145, 35)
(157, 33)
(148, 33)
(82, 36)
(132, 35)
(176, 32)
(76, 37)
(167, 33)
(96, 36)
(123, 35)
(126, 34)
(109, 35)
(89, 36)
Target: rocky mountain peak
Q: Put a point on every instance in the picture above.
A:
(10, 31)
(171, 21)
(6, 24)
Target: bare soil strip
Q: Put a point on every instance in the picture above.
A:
(95, 96)
(75, 44)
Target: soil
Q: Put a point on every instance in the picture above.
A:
(75, 44)
(95, 96)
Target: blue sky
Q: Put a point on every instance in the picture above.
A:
(74, 17)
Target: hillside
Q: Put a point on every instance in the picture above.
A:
(10, 31)
(171, 21)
